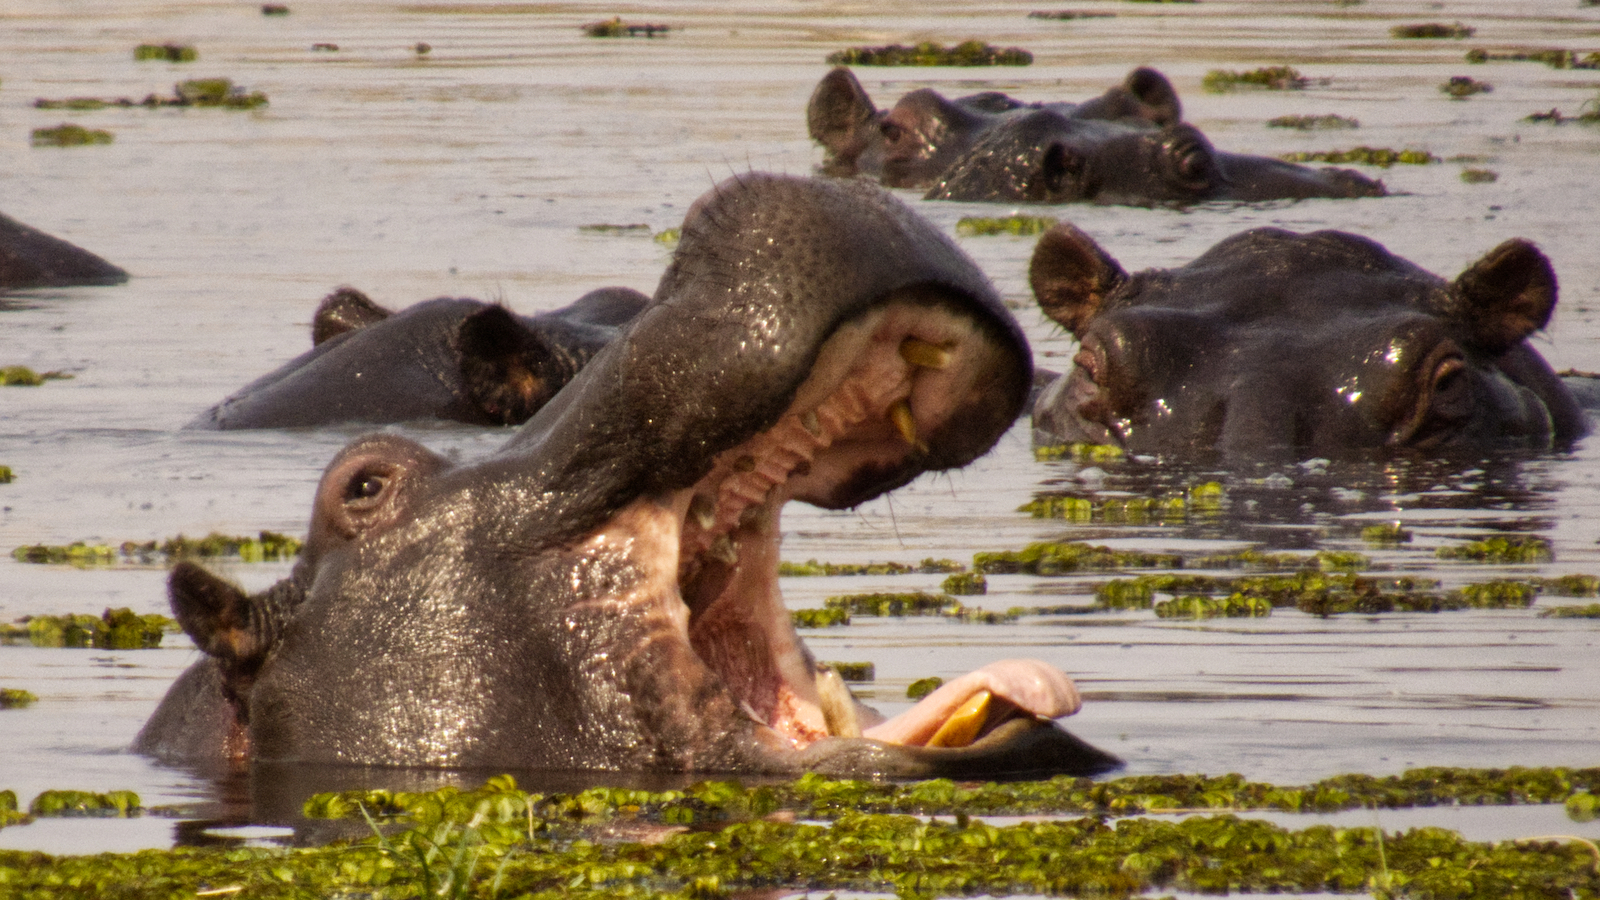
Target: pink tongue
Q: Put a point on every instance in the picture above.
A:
(1036, 688)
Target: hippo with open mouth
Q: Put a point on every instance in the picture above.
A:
(602, 592)
(1274, 345)
(450, 359)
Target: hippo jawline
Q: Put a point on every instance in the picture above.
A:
(884, 387)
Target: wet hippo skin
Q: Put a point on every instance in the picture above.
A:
(1274, 345)
(602, 592)
(29, 258)
(450, 359)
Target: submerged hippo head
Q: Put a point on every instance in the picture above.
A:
(29, 258)
(924, 134)
(1279, 345)
(602, 593)
(1044, 157)
(452, 359)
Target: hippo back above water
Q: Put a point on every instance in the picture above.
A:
(602, 593)
(1274, 345)
(29, 258)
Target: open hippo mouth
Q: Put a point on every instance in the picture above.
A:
(602, 593)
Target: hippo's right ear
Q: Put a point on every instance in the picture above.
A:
(1505, 296)
(1071, 276)
(839, 108)
(344, 310)
(1158, 99)
(368, 486)
(507, 366)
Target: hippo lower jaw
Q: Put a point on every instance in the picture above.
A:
(883, 391)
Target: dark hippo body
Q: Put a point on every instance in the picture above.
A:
(1128, 146)
(911, 144)
(602, 593)
(453, 359)
(1274, 345)
(29, 258)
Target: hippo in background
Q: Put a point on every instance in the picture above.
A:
(911, 144)
(29, 258)
(1275, 346)
(602, 593)
(451, 359)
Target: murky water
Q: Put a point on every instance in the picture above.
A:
(468, 172)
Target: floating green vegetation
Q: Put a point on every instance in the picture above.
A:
(614, 27)
(81, 104)
(77, 553)
(668, 236)
(70, 135)
(1498, 594)
(854, 671)
(908, 603)
(115, 629)
(922, 687)
(1460, 87)
(169, 52)
(216, 92)
(1479, 176)
(1568, 585)
(965, 584)
(274, 9)
(1583, 807)
(818, 618)
(1272, 78)
(1382, 157)
(1070, 556)
(863, 836)
(1433, 30)
(265, 546)
(985, 226)
(1067, 15)
(1589, 114)
(1386, 535)
(1203, 498)
(1589, 611)
(9, 814)
(929, 53)
(119, 804)
(811, 568)
(1314, 123)
(15, 698)
(1554, 58)
(6, 475)
(605, 228)
(1233, 606)
(1090, 453)
(1516, 548)
(22, 376)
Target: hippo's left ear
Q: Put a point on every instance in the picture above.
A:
(504, 364)
(838, 108)
(343, 311)
(1505, 296)
(1071, 276)
(1158, 99)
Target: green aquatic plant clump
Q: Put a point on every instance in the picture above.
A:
(819, 618)
(16, 698)
(1233, 606)
(1048, 558)
(120, 804)
(70, 135)
(216, 92)
(854, 671)
(1479, 176)
(115, 629)
(266, 546)
(1390, 534)
(1433, 30)
(1460, 87)
(1131, 510)
(1517, 548)
(1272, 78)
(166, 52)
(1587, 611)
(1314, 123)
(812, 568)
(22, 376)
(614, 27)
(6, 475)
(930, 53)
(922, 687)
(916, 603)
(987, 226)
(965, 584)
(635, 228)
(77, 553)
(1381, 157)
(1555, 58)
(1576, 585)
(1081, 452)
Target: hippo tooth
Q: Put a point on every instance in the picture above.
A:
(723, 549)
(906, 423)
(811, 423)
(838, 707)
(964, 724)
(745, 463)
(703, 510)
(919, 352)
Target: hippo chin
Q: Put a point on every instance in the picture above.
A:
(1279, 346)
(1044, 157)
(450, 359)
(602, 593)
(29, 258)
(913, 143)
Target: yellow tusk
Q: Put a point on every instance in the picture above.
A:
(964, 724)
(809, 420)
(919, 352)
(838, 706)
(906, 423)
(704, 511)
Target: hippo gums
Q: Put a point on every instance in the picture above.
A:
(29, 258)
(453, 359)
(911, 144)
(1274, 345)
(602, 592)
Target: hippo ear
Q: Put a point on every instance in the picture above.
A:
(1072, 276)
(1505, 296)
(344, 310)
(838, 108)
(236, 629)
(505, 365)
(1158, 100)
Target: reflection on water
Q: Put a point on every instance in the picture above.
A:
(470, 172)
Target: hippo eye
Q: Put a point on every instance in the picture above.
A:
(364, 486)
